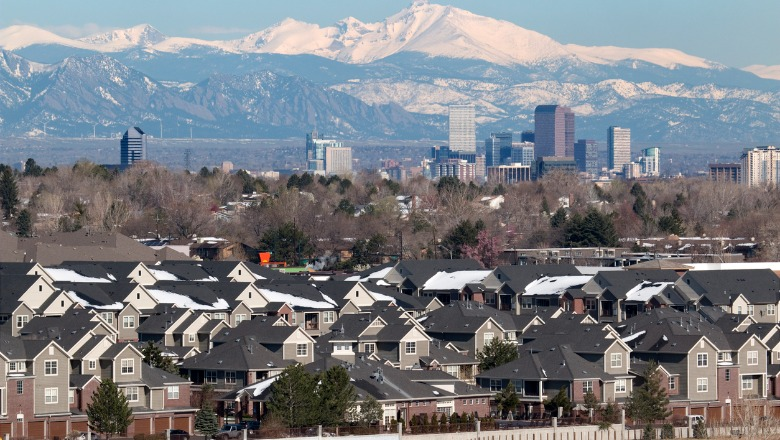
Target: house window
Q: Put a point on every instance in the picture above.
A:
(230, 377)
(128, 322)
(21, 320)
(301, 350)
(92, 364)
(453, 370)
(752, 358)
(240, 318)
(369, 347)
(590, 304)
(128, 366)
(701, 385)
(51, 395)
(211, 376)
(587, 386)
(108, 317)
(701, 359)
(173, 392)
(328, 317)
(495, 384)
(50, 368)
(620, 386)
(12, 367)
(219, 316)
(411, 347)
(747, 383)
(71, 396)
(727, 374)
(489, 337)
(132, 394)
(191, 337)
(673, 383)
(19, 387)
(528, 303)
(739, 310)
(616, 360)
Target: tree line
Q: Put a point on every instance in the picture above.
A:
(303, 215)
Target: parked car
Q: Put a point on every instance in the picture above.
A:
(251, 425)
(229, 431)
(179, 434)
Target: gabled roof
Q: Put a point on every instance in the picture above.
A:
(517, 277)
(456, 280)
(180, 271)
(157, 378)
(556, 363)
(240, 354)
(162, 319)
(466, 317)
(720, 287)
(259, 330)
(67, 329)
(300, 296)
(195, 296)
(666, 330)
(12, 287)
(90, 295)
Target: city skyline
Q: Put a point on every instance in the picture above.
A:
(668, 24)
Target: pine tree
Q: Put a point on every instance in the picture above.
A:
(154, 357)
(507, 400)
(24, 223)
(496, 352)
(649, 401)
(206, 421)
(337, 396)
(109, 412)
(9, 192)
(370, 411)
(294, 398)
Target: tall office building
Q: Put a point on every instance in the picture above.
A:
(553, 131)
(498, 149)
(618, 147)
(760, 166)
(132, 147)
(316, 152)
(522, 152)
(586, 154)
(651, 161)
(338, 160)
(463, 135)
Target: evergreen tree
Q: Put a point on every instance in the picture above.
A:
(32, 169)
(590, 400)
(154, 357)
(464, 234)
(9, 192)
(649, 401)
(672, 223)
(496, 352)
(507, 400)
(294, 398)
(24, 223)
(369, 412)
(560, 400)
(109, 412)
(287, 243)
(558, 219)
(206, 421)
(594, 229)
(336, 395)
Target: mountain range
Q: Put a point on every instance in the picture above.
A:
(390, 79)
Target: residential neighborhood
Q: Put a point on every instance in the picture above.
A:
(408, 333)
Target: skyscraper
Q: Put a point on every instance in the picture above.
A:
(618, 147)
(553, 131)
(316, 151)
(132, 147)
(586, 154)
(498, 149)
(463, 135)
(760, 166)
(338, 160)
(651, 161)
(522, 152)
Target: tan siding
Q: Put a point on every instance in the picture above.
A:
(59, 381)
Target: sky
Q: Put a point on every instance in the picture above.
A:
(736, 33)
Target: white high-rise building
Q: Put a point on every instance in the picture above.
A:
(618, 147)
(338, 160)
(760, 166)
(651, 158)
(463, 134)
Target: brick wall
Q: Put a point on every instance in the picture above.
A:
(182, 401)
(731, 387)
(578, 395)
(480, 405)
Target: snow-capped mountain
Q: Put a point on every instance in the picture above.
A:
(768, 72)
(393, 78)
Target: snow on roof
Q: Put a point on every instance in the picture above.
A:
(84, 303)
(295, 301)
(554, 285)
(182, 301)
(645, 290)
(630, 338)
(162, 275)
(455, 280)
(378, 275)
(381, 296)
(58, 274)
(328, 299)
(257, 389)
